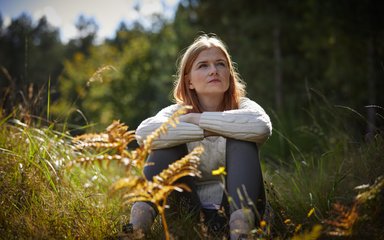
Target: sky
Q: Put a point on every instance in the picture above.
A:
(108, 14)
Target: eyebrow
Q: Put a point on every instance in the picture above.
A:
(218, 60)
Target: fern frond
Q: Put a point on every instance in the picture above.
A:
(187, 166)
(128, 183)
(137, 187)
(95, 144)
(172, 121)
(107, 159)
(156, 191)
(91, 137)
(116, 136)
(152, 193)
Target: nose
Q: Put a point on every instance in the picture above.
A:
(213, 70)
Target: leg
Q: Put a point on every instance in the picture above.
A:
(244, 176)
(160, 159)
(144, 213)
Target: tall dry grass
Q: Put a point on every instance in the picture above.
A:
(311, 192)
(40, 199)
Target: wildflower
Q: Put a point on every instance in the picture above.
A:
(219, 171)
(263, 224)
(287, 221)
(311, 212)
(298, 227)
(312, 234)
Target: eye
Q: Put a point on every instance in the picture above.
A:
(221, 64)
(203, 65)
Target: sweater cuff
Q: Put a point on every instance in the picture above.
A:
(249, 126)
(179, 135)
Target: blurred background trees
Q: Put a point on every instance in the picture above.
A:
(316, 67)
(31, 55)
(282, 50)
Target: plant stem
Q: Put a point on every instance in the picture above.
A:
(165, 225)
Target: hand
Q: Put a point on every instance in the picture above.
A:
(209, 133)
(193, 118)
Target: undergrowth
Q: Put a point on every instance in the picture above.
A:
(40, 199)
(319, 174)
(329, 185)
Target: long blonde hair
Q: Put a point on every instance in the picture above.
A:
(185, 96)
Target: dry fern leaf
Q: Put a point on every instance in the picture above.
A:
(152, 193)
(163, 184)
(142, 152)
(187, 166)
(128, 183)
(116, 136)
(173, 120)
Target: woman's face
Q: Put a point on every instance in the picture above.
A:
(209, 75)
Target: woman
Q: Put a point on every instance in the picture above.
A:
(230, 127)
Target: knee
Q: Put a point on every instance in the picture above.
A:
(149, 172)
(241, 147)
(160, 159)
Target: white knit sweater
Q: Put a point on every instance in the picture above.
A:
(249, 123)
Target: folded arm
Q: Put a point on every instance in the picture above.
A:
(183, 132)
(249, 123)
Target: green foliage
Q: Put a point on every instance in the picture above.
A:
(40, 199)
(318, 151)
(139, 82)
(281, 50)
(30, 56)
(76, 85)
(43, 200)
(283, 47)
(323, 164)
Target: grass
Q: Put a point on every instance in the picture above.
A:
(42, 199)
(324, 164)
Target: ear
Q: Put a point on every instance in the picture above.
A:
(189, 83)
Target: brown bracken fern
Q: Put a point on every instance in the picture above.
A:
(156, 191)
(346, 218)
(112, 146)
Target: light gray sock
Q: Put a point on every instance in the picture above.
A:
(142, 216)
(241, 223)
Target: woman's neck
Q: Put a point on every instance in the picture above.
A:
(211, 103)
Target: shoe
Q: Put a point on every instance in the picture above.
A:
(243, 237)
(127, 228)
(215, 221)
(241, 223)
(129, 233)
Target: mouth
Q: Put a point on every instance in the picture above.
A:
(214, 80)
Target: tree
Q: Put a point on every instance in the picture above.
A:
(30, 56)
(87, 32)
(134, 86)
(284, 48)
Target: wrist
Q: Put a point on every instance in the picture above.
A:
(197, 117)
(209, 133)
(193, 118)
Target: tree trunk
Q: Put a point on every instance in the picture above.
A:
(278, 68)
(371, 111)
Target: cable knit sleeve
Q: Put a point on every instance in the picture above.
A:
(182, 133)
(250, 122)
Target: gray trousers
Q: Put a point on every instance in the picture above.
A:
(243, 175)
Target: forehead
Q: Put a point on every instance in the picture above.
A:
(210, 54)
